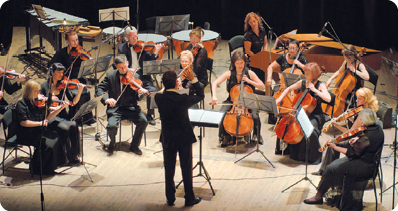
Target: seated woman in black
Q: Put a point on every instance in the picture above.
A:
(32, 119)
(318, 90)
(238, 73)
(67, 130)
(358, 164)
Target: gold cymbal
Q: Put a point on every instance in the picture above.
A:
(64, 22)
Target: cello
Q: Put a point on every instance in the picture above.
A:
(288, 128)
(344, 84)
(238, 121)
(287, 102)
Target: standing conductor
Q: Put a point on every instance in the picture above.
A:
(177, 133)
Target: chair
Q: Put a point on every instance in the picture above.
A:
(206, 26)
(10, 127)
(124, 122)
(236, 42)
(373, 78)
(361, 184)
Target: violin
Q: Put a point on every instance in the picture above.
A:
(80, 52)
(238, 121)
(343, 116)
(287, 102)
(41, 101)
(345, 136)
(134, 83)
(10, 74)
(141, 45)
(196, 48)
(71, 84)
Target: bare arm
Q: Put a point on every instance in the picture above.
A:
(295, 86)
(248, 45)
(270, 69)
(254, 80)
(341, 69)
(218, 81)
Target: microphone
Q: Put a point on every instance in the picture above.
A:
(128, 23)
(323, 29)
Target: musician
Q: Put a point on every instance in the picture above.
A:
(238, 73)
(186, 61)
(358, 164)
(136, 61)
(287, 60)
(365, 99)
(318, 90)
(72, 63)
(32, 119)
(356, 67)
(122, 104)
(177, 133)
(66, 129)
(200, 59)
(6, 85)
(255, 39)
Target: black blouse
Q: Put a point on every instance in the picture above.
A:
(281, 60)
(66, 59)
(200, 65)
(257, 41)
(69, 96)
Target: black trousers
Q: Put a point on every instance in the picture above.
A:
(151, 88)
(133, 114)
(169, 159)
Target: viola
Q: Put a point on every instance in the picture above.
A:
(288, 127)
(345, 136)
(343, 116)
(70, 84)
(146, 46)
(80, 52)
(287, 102)
(41, 101)
(129, 79)
(196, 48)
(10, 74)
(238, 121)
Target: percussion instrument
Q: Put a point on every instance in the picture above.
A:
(110, 31)
(210, 40)
(156, 38)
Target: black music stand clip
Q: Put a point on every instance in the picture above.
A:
(257, 103)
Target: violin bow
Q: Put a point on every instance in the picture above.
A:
(5, 68)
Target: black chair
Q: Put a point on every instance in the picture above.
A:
(361, 184)
(10, 127)
(236, 42)
(373, 78)
(206, 26)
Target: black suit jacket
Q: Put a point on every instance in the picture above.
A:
(111, 85)
(146, 56)
(173, 110)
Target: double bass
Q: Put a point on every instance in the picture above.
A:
(238, 121)
(287, 102)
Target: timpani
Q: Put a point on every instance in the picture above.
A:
(210, 41)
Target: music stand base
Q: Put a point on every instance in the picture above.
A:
(256, 150)
(206, 175)
(304, 178)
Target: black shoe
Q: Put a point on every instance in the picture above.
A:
(318, 173)
(136, 150)
(260, 140)
(151, 121)
(313, 202)
(193, 202)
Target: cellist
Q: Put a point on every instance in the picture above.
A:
(235, 76)
(318, 90)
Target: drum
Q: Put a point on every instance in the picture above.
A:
(210, 41)
(110, 31)
(156, 38)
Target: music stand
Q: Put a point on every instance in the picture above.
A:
(160, 67)
(170, 24)
(204, 118)
(87, 107)
(307, 128)
(291, 78)
(257, 103)
(90, 66)
(114, 14)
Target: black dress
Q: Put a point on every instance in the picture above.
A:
(281, 60)
(199, 66)
(53, 153)
(257, 43)
(317, 118)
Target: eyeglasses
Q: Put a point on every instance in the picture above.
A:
(134, 36)
(184, 62)
(293, 49)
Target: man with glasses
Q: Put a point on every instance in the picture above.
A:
(135, 60)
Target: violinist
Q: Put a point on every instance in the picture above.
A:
(238, 73)
(356, 67)
(358, 164)
(318, 90)
(32, 118)
(136, 61)
(186, 60)
(67, 130)
(364, 99)
(6, 85)
(66, 56)
(200, 56)
(255, 39)
(121, 102)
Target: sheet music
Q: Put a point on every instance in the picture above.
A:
(304, 122)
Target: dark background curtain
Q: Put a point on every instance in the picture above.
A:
(369, 23)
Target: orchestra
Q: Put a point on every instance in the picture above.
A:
(46, 110)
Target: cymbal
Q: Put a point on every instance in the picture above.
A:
(64, 22)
